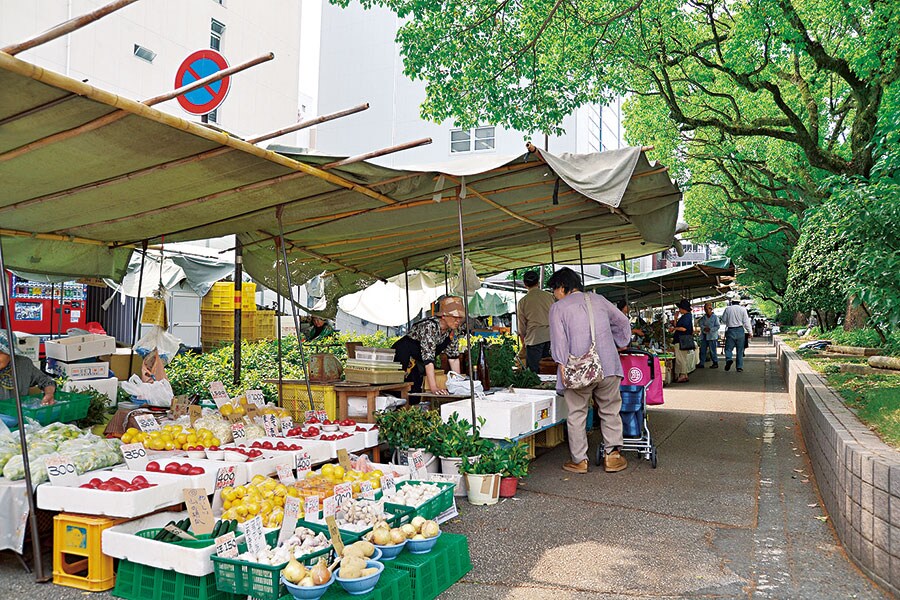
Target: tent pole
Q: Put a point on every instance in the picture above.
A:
(553, 254)
(465, 283)
(238, 301)
(580, 256)
(406, 278)
(625, 274)
(662, 308)
(515, 305)
(278, 321)
(137, 308)
(290, 286)
(446, 275)
(29, 485)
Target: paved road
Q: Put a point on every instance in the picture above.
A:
(730, 513)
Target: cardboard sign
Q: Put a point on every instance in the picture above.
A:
(270, 424)
(366, 489)
(199, 510)
(335, 534)
(237, 432)
(342, 493)
(252, 412)
(225, 477)
(179, 532)
(226, 546)
(255, 397)
(218, 393)
(285, 474)
(254, 535)
(388, 487)
(146, 422)
(180, 405)
(286, 424)
(329, 507)
(194, 413)
(135, 456)
(344, 459)
(310, 508)
(61, 470)
(235, 418)
(417, 462)
(303, 463)
(309, 415)
(289, 522)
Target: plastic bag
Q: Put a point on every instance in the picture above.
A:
(162, 341)
(156, 393)
(459, 385)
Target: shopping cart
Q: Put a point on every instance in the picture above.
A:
(641, 368)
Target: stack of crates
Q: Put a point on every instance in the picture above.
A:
(295, 399)
(217, 314)
(265, 325)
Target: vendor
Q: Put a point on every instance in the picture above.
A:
(321, 329)
(27, 374)
(640, 324)
(418, 349)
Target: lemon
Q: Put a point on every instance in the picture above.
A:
(126, 438)
(339, 472)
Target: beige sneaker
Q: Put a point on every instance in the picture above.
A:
(580, 467)
(614, 462)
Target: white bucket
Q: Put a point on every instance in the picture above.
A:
(450, 466)
(483, 489)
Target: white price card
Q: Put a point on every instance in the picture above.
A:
(329, 507)
(61, 470)
(444, 477)
(237, 432)
(146, 422)
(388, 487)
(289, 522)
(135, 456)
(270, 424)
(226, 546)
(286, 424)
(417, 462)
(255, 397)
(311, 508)
(309, 415)
(218, 393)
(303, 463)
(366, 489)
(182, 534)
(225, 477)
(343, 492)
(256, 537)
(321, 415)
(285, 474)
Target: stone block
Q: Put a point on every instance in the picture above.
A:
(867, 497)
(866, 526)
(882, 508)
(881, 533)
(881, 475)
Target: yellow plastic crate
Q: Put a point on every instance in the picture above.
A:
(219, 325)
(295, 399)
(221, 297)
(265, 325)
(78, 561)
(552, 437)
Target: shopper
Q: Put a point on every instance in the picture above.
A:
(737, 330)
(27, 375)
(638, 331)
(683, 338)
(533, 316)
(571, 336)
(418, 349)
(709, 335)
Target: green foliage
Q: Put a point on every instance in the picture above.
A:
(515, 459)
(865, 338)
(493, 460)
(455, 438)
(408, 428)
(500, 353)
(96, 413)
(881, 410)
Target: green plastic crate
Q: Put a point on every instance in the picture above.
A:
(433, 573)
(202, 541)
(431, 508)
(68, 407)
(398, 515)
(140, 582)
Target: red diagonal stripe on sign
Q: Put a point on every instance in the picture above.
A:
(197, 78)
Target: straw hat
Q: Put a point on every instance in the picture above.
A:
(452, 306)
(684, 304)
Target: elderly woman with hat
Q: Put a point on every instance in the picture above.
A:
(27, 375)
(683, 338)
(419, 348)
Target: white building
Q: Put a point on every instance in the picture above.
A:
(360, 62)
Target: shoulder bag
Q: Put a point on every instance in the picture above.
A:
(582, 371)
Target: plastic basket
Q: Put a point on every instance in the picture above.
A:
(140, 582)
(392, 585)
(432, 507)
(431, 574)
(202, 541)
(221, 297)
(216, 325)
(265, 325)
(377, 354)
(68, 407)
(295, 400)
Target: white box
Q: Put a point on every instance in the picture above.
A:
(541, 406)
(109, 387)
(502, 419)
(91, 370)
(264, 465)
(29, 345)
(319, 452)
(560, 408)
(77, 347)
(208, 479)
(358, 406)
(168, 492)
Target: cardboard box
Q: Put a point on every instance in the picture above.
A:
(118, 363)
(541, 405)
(77, 347)
(502, 419)
(88, 370)
(29, 345)
(108, 387)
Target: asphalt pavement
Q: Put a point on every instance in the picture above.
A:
(732, 511)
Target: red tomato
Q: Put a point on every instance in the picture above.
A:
(184, 469)
(197, 471)
(87, 486)
(95, 482)
(139, 480)
(172, 468)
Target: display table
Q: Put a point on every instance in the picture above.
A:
(344, 390)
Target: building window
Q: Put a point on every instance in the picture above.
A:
(144, 53)
(213, 116)
(461, 140)
(216, 31)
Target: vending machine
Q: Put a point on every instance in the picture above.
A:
(46, 309)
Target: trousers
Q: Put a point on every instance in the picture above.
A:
(734, 340)
(534, 354)
(605, 394)
(713, 350)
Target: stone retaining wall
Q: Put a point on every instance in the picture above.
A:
(858, 475)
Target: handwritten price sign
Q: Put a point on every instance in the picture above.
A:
(256, 397)
(367, 491)
(146, 422)
(289, 522)
(310, 508)
(417, 459)
(388, 487)
(225, 477)
(218, 393)
(343, 492)
(226, 546)
(135, 456)
(302, 463)
(270, 424)
(285, 474)
(237, 432)
(61, 470)
(329, 507)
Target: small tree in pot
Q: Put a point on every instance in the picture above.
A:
(515, 467)
(483, 476)
(408, 429)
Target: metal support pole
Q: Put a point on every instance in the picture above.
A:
(137, 308)
(52, 298)
(515, 306)
(580, 256)
(553, 256)
(278, 320)
(29, 485)
(406, 279)
(238, 301)
(446, 275)
(462, 254)
(625, 274)
(662, 308)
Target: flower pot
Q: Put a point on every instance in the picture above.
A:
(401, 457)
(450, 466)
(508, 486)
(483, 489)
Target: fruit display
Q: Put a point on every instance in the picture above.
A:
(249, 452)
(115, 484)
(358, 515)
(281, 446)
(299, 575)
(172, 437)
(415, 494)
(337, 474)
(263, 496)
(302, 542)
(88, 453)
(175, 468)
(418, 529)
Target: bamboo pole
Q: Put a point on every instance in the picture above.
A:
(36, 109)
(310, 122)
(376, 153)
(67, 27)
(462, 255)
(649, 173)
(498, 206)
(217, 76)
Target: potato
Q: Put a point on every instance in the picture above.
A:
(369, 571)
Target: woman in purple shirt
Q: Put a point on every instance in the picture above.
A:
(570, 335)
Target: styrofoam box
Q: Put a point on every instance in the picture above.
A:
(76, 347)
(354, 443)
(208, 479)
(358, 406)
(109, 387)
(30, 346)
(91, 370)
(560, 408)
(502, 419)
(541, 406)
(168, 491)
(121, 542)
(319, 452)
(371, 434)
(264, 465)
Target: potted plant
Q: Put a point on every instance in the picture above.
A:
(407, 430)
(515, 467)
(454, 439)
(483, 476)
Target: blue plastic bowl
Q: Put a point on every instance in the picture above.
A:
(363, 585)
(391, 552)
(376, 555)
(306, 593)
(422, 546)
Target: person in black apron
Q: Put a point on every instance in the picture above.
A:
(428, 338)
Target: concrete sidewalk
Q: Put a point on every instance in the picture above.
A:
(730, 512)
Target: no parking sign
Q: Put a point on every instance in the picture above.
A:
(198, 65)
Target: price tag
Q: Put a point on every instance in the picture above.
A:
(321, 415)
(335, 534)
(226, 546)
(225, 477)
(342, 493)
(344, 459)
(310, 414)
(146, 422)
(235, 418)
(135, 456)
(287, 424)
(289, 522)
(179, 532)
(252, 412)
(302, 463)
(199, 511)
(194, 412)
(255, 397)
(61, 470)
(367, 491)
(311, 508)
(329, 507)
(270, 424)
(218, 393)
(388, 487)
(253, 532)
(237, 432)
(180, 405)
(285, 474)
(417, 461)
(445, 477)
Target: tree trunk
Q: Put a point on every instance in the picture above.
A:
(855, 317)
(800, 319)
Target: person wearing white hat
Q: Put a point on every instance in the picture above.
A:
(27, 375)
(418, 349)
(737, 323)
